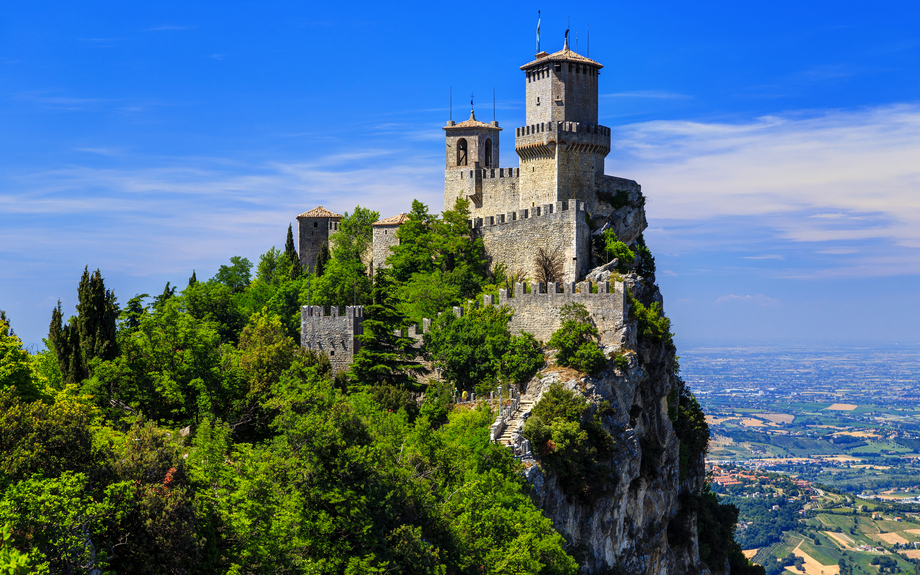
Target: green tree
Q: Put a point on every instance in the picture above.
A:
(568, 435)
(44, 438)
(430, 246)
(16, 365)
(168, 293)
(322, 259)
(345, 280)
(290, 252)
(90, 334)
(385, 357)
(468, 350)
(213, 302)
(60, 522)
(236, 276)
(574, 341)
(193, 280)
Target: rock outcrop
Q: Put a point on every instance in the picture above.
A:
(638, 522)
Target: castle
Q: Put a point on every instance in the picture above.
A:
(548, 204)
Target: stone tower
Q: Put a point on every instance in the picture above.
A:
(314, 228)
(562, 147)
(471, 146)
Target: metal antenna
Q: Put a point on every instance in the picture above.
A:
(451, 104)
(471, 102)
(493, 104)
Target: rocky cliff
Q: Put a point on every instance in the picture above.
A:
(640, 518)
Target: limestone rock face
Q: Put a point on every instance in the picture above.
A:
(639, 522)
(628, 221)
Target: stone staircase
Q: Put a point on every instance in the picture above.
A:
(516, 422)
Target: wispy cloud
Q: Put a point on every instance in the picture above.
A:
(759, 300)
(168, 27)
(764, 257)
(840, 176)
(161, 219)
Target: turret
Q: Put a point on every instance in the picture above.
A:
(314, 228)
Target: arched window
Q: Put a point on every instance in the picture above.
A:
(461, 152)
(488, 155)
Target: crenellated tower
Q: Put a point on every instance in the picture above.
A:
(562, 146)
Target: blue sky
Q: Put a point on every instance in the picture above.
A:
(778, 143)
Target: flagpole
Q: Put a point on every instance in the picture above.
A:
(538, 31)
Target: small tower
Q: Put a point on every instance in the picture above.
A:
(471, 146)
(314, 228)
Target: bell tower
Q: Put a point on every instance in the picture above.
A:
(471, 148)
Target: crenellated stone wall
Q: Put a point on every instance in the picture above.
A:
(513, 238)
(537, 310)
(331, 333)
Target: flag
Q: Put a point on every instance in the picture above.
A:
(538, 30)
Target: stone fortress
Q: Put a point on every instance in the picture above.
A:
(553, 202)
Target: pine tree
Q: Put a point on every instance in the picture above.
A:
(290, 253)
(192, 280)
(322, 259)
(384, 357)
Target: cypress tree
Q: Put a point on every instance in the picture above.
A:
(89, 334)
(290, 253)
(192, 280)
(97, 312)
(322, 259)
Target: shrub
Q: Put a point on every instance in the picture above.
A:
(575, 340)
(653, 324)
(568, 442)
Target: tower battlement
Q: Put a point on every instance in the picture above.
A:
(332, 333)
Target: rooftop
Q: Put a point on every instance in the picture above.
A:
(319, 212)
(564, 55)
(473, 123)
(394, 221)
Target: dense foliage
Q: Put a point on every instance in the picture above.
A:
(190, 433)
(566, 431)
(575, 340)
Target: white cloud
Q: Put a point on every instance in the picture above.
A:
(758, 300)
(836, 176)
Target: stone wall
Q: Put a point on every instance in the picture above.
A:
(384, 240)
(492, 190)
(332, 334)
(513, 238)
(312, 234)
(537, 312)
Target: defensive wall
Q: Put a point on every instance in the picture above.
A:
(513, 238)
(482, 186)
(537, 310)
(331, 333)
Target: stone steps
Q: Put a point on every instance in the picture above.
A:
(524, 406)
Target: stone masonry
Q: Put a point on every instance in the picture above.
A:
(332, 334)
(558, 228)
(537, 309)
(314, 228)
